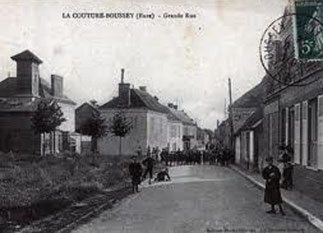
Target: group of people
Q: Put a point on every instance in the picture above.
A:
(272, 175)
(218, 155)
(137, 174)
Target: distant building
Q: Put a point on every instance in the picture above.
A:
(19, 97)
(175, 129)
(247, 127)
(148, 117)
(84, 112)
(203, 138)
(222, 133)
(189, 127)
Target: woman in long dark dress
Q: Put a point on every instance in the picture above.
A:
(272, 176)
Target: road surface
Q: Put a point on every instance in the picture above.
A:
(198, 199)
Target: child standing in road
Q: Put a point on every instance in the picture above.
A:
(149, 162)
(135, 171)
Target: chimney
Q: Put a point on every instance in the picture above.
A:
(122, 75)
(27, 73)
(170, 105)
(57, 85)
(124, 91)
(156, 98)
(143, 88)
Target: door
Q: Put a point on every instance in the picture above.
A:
(320, 133)
(312, 133)
(304, 133)
(248, 149)
(291, 127)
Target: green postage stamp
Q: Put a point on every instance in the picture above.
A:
(309, 29)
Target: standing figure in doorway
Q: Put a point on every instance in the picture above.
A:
(286, 158)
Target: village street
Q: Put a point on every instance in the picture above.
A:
(198, 199)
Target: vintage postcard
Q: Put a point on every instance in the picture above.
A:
(162, 116)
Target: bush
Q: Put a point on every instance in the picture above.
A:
(28, 181)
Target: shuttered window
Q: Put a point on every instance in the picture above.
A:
(297, 134)
(304, 133)
(320, 133)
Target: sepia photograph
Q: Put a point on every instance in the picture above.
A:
(162, 116)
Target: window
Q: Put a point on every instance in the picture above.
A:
(152, 125)
(291, 127)
(161, 126)
(320, 106)
(135, 122)
(297, 112)
(173, 131)
(283, 126)
(304, 111)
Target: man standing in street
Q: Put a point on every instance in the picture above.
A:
(272, 176)
(135, 171)
(149, 163)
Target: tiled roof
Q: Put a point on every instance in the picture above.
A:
(182, 116)
(17, 105)
(138, 99)
(46, 92)
(26, 56)
(8, 87)
(95, 108)
(252, 98)
(10, 101)
(252, 120)
(171, 116)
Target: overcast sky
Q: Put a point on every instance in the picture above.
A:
(185, 61)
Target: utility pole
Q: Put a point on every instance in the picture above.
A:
(231, 117)
(225, 108)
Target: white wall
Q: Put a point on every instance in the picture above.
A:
(69, 114)
(157, 124)
(109, 145)
(175, 134)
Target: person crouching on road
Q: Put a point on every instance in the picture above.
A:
(163, 176)
(149, 163)
(135, 171)
(272, 176)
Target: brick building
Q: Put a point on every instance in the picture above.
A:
(19, 97)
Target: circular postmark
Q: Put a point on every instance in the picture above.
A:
(291, 49)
